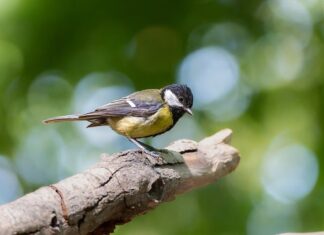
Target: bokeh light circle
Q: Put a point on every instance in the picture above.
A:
(289, 17)
(270, 217)
(37, 157)
(48, 95)
(95, 90)
(228, 35)
(9, 183)
(211, 72)
(232, 106)
(11, 59)
(289, 173)
(273, 61)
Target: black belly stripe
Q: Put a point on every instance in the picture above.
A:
(177, 113)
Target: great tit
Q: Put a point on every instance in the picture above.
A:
(141, 114)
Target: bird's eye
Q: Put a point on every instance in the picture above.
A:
(181, 99)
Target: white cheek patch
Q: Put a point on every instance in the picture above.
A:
(171, 99)
(131, 103)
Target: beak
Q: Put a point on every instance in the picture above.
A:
(188, 110)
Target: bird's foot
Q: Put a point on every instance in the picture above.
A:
(153, 153)
(147, 149)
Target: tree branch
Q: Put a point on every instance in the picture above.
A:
(119, 187)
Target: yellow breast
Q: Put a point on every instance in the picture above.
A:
(138, 127)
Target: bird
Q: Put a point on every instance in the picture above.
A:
(145, 113)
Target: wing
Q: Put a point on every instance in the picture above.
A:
(138, 104)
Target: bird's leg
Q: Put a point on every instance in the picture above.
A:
(145, 147)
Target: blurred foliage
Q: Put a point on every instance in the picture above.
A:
(254, 66)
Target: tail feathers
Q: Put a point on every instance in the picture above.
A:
(62, 119)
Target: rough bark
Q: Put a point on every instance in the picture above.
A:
(119, 187)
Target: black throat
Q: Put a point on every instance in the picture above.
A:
(177, 113)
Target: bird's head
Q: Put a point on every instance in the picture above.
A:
(178, 96)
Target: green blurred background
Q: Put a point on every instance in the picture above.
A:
(255, 66)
